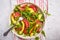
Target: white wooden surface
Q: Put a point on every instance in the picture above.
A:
(52, 25)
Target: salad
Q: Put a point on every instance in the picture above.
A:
(33, 19)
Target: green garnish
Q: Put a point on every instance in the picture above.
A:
(43, 33)
(46, 13)
(37, 38)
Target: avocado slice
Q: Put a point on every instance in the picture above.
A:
(39, 16)
(12, 19)
(20, 32)
(29, 9)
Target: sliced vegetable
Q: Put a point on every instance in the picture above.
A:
(12, 19)
(16, 14)
(26, 23)
(23, 5)
(33, 7)
(22, 27)
(29, 10)
(39, 16)
(25, 31)
(18, 29)
(22, 8)
(38, 22)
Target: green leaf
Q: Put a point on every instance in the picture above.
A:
(46, 13)
(43, 32)
(49, 14)
(37, 38)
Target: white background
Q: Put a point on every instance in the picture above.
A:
(52, 25)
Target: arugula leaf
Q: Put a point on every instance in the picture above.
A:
(16, 9)
(43, 33)
(49, 14)
(31, 26)
(42, 18)
(46, 13)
